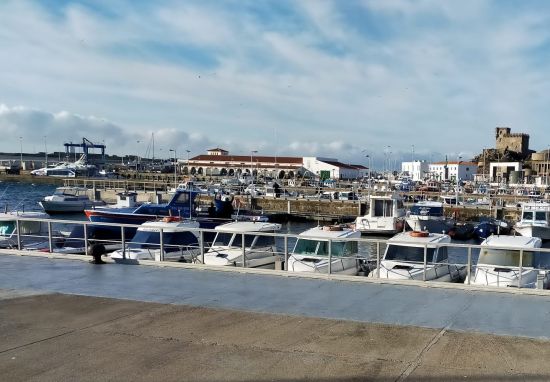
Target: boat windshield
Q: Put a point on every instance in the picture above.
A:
(223, 239)
(505, 257)
(320, 248)
(383, 208)
(7, 228)
(540, 215)
(404, 253)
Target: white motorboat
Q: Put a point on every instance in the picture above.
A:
(311, 251)
(535, 220)
(499, 267)
(404, 258)
(32, 232)
(259, 250)
(67, 169)
(428, 216)
(178, 241)
(68, 200)
(385, 215)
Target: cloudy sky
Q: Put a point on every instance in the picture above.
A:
(310, 77)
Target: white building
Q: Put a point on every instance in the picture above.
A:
(417, 170)
(449, 170)
(220, 162)
(326, 168)
(501, 171)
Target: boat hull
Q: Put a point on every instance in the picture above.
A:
(430, 225)
(55, 207)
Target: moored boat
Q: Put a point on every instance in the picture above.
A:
(259, 250)
(405, 255)
(311, 251)
(385, 215)
(535, 220)
(68, 200)
(499, 263)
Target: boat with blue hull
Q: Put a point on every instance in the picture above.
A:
(181, 204)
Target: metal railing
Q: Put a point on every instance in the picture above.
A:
(444, 262)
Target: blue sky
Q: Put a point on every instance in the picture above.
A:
(311, 77)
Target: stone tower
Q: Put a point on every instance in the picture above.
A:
(512, 142)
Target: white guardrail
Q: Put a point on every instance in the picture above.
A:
(460, 259)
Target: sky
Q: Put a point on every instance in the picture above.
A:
(342, 79)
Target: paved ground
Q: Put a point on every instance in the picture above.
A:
(56, 337)
(458, 310)
(56, 324)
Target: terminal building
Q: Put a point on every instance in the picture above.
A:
(219, 162)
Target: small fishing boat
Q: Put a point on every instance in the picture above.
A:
(178, 241)
(429, 216)
(499, 260)
(405, 254)
(311, 251)
(259, 250)
(385, 216)
(32, 232)
(535, 220)
(68, 200)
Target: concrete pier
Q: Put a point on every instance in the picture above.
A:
(70, 320)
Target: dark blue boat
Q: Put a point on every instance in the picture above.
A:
(182, 204)
(488, 227)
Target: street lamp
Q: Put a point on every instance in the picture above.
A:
(188, 151)
(20, 153)
(252, 152)
(137, 150)
(175, 168)
(457, 170)
(45, 151)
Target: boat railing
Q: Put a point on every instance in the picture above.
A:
(460, 259)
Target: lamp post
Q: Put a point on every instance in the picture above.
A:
(20, 154)
(457, 171)
(188, 151)
(45, 151)
(137, 150)
(175, 168)
(252, 152)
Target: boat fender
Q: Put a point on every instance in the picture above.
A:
(419, 234)
(96, 250)
(169, 219)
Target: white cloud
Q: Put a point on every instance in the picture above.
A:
(437, 74)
